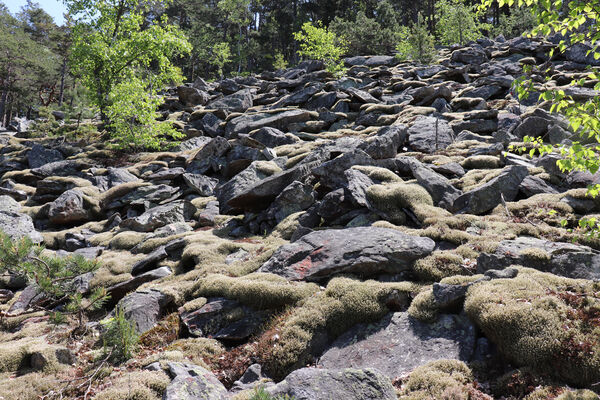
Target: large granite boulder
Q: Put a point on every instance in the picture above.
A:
(17, 225)
(193, 382)
(363, 251)
(327, 384)
(399, 343)
(69, 208)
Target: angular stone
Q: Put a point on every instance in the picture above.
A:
(192, 382)
(249, 122)
(424, 131)
(489, 195)
(201, 184)
(272, 137)
(223, 319)
(39, 155)
(399, 343)
(385, 143)
(295, 197)
(17, 225)
(69, 208)
(441, 190)
(144, 308)
(178, 211)
(191, 96)
(364, 251)
(564, 259)
(259, 195)
(237, 102)
(533, 185)
(327, 384)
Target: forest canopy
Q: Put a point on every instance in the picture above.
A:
(227, 37)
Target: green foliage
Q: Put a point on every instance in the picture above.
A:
(569, 19)
(458, 22)
(417, 43)
(119, 54)
(279, 62)
(119, 339)
(55, 277)
(261, 394)
(520, 20)
(365, 35)
(132, 115)
(319, 43)
(221, 55)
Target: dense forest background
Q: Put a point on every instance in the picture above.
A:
(229, 37)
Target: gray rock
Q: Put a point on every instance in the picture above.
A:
(223, 319)
(205, 157)
(192, 382)
(201, 184)
(448, 297)
(61, 168)
(208, 215)
(17, 225)
(581, 53)
(424, 131)
(363, 251)
(211, 124)
(441, 190)
(385, 143)
(331, 173)
(119, 290)
(532, 126)
(565, 259)
(8, 204)
(39, 155)
(69, 208)
(272, 137)
(295, 197)
(237, 102)
(399, 343)
(178, 211)
(251, 378)
(191, 96)
(298, 97)
(469, 55)
(532, 185)
(142, 195)
(327, 384)
(192, 144)
(249, 122)
(489, 195)
(144, 308)
(259, 194)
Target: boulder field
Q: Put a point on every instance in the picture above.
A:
(371, 236)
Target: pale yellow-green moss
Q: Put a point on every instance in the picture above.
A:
(534, 326)
(441, 379)
(136, 385)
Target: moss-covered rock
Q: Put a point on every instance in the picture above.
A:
(542, 321)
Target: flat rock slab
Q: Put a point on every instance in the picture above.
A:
(192, 382)
(399, 343)
(565, 259)
(363, 251)
(324, 384)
